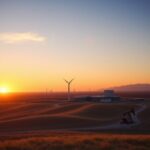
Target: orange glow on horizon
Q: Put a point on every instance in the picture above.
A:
(39, 82)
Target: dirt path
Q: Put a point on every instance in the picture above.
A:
(118, 125)
(115, 125)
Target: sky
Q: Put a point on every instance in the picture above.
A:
(99, 43)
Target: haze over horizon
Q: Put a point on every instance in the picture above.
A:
(100, 43)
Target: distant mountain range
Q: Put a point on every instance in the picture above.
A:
(133, 87)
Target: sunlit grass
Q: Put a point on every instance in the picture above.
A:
(79, 142)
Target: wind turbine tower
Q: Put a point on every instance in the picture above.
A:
(69, 83)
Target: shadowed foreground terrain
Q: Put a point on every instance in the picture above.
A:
(35, 123)
(78, 141)
(58, 116)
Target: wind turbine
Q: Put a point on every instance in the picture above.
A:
(46, 92)
(69, 83)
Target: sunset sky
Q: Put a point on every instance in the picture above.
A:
(100, 43)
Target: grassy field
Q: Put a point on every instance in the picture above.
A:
(34, 123)
(28, 116)
(78, 141)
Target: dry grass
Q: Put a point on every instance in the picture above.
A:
(79, 142)
(23, 110)
(105, 111)
(144, 117)
(44, 116)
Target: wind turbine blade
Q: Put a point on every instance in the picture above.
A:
(66, 81)
(71, 80)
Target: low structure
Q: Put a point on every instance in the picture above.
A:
(108, 96)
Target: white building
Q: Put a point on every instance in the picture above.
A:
(107, 97)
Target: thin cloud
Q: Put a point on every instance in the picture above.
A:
(21, 37)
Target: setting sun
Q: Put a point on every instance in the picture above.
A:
(4, 90)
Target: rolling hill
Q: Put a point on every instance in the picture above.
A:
(133, 88)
